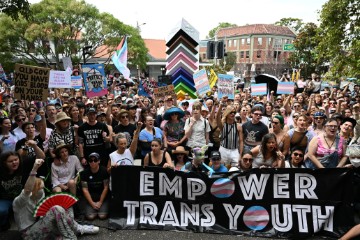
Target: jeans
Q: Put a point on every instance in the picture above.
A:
(5, 208)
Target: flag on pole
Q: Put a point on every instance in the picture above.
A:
(119, 58)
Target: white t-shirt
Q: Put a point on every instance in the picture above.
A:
(197, 137)
(122, 159)
(10, 143)
(19, 133)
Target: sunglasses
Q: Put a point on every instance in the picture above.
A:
(232, 112)
(32, 110)
(258, 114)
(247, 159)
(298, 154)
(215, 159)
(174, 114)
(125, 116)
(275, 123)
(318, 118)
(296, 105)
(20, 119)
(93, 160)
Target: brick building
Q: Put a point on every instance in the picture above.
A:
(257, 45)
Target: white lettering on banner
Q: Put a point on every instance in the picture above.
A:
(287, 223)
(146, 183)
(301, 211)
(191, 214)
(305, 184)
(131, 205)
(323, 220)
(148, 212)
(253, 186)
(170, 187)
(233, 214)
(280, 185)
(210, 219)
(196, 187)
(168, 216)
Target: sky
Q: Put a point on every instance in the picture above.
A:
(156, 18)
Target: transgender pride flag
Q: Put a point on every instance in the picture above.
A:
(258, 89)
(285, 88)
(119, 58)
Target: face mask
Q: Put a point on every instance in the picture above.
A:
(355, 162)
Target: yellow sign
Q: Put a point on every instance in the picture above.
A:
(213, 78)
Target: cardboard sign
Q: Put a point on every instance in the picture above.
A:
(76, 82)
(225, 86)
(67, 63)
(59, 79)
(201, 82)
(31, 83)
(94, 80)
(213, 78)
(161, 92)
(166, 79)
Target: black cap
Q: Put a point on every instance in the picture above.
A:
(131, 106)
(215, 154)
(100, 114)
(80, 105)
(91, 110)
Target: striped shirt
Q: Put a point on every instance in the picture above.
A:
(230, 136)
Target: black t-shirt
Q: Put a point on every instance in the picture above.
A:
(10, 186)
(50, 125)
(92, 138)
(127, 130)
(95, 181)
(254, 132)
(114, 122)
(28, 160)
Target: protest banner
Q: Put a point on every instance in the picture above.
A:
(76, 82)
(94, 80)
(213, 78)
(162, 92)
(31, 83)
(258, 89)
(285, 88)
(59, 79)
(225, 86)
(201, 82)
(276, 203)
(165, 79)
(67, 63)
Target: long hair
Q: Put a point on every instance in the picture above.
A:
(264, 141)
(2, 119)
(227, 111)
(3, 168)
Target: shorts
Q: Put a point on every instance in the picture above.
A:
(230, 157)
(104, 209)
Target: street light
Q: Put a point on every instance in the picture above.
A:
(139, 25)
(85, 51)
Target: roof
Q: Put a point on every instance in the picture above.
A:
(256, 29)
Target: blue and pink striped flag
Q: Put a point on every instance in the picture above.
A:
(119, 58)
(285, 88)
(258, 89)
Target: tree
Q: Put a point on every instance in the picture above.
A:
(61, 28)
(305, 55)
(213, 31)
(15, 7)
(340, 36)
(294, 23)
(230, 61)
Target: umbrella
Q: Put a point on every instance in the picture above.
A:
(270, 80)
(172, 110)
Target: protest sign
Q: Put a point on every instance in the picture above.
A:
(94, 80)
(31, 83)
(225, 86)
(67, 63)
(213, 78)
(149, 85)
(258, 89)
(59, 79)
(76, 82)
(201, 82)
(162, 92)
(260, 202)
(285, 88)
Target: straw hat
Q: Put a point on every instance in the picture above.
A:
(60, 146)
(180, 150)
(60, 116)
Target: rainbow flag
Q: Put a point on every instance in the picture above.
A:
(258, 89)
(119, 58)
(285, 88)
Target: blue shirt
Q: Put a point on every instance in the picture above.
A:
(148, 137)
(221, 169)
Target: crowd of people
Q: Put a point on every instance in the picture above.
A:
(71, 143)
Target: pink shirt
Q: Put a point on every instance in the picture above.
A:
(322, 150)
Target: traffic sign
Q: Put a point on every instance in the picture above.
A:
(288, 47)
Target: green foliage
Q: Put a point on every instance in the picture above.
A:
(230, 61)
(213, 31)
(62, 28)
(340, 36)
(294, 23)
(13, 8)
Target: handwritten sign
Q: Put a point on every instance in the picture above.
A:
(31, 83)
(76, 82)
(213, 78)
(201, 82)
(59, 79)
(161, 92)
(225, 86)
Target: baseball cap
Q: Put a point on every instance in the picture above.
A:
(91, 110)
(95, 155)
(215, 154)
(37, 118)
(100, 114)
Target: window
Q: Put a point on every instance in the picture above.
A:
(229, 43)
(278, 43)
(241, 54)
(259, 41)
(270, 42)
(258, 54)
(248, 41)
(247, 54)
(243, 41)
(277, 54)
(235, 42)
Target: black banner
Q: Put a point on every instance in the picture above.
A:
(263, 202)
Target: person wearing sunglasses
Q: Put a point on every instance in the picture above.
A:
(318, 122)
(95, 187)
(245, 162)
(125, 126)
(297, 158)
(19, 120)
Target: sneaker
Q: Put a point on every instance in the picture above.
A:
(87, 229)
